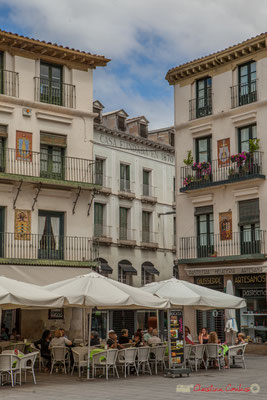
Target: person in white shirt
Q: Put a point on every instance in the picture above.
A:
(154, 339)
(60, 340)
(148, 334)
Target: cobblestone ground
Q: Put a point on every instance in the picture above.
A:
(156, 387)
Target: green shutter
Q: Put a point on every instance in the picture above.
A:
(145, 226)
(145, 177)
(123, 223)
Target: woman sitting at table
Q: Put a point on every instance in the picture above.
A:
(43, 345)
(203, 336)
(3, 335)
(94, 339)
(124, 339)
(188, 337)
(213, 338)
(138, 339)
(60, 340)
(240, 339)
(15, 335)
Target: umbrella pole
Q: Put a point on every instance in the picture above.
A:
(89, 343)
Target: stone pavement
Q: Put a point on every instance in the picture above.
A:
(58, 386)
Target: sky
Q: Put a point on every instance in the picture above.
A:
(144, 39)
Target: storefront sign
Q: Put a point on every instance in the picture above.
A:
(253, 293)
(223, 152)
(22, 224)
(176, 337)
(210, 281)
(56, 313)
(225, 222)
(250, 280)
(224, 270)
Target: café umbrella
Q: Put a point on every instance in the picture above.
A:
(94, 290)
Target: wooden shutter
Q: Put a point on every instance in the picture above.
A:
(146, 221)
(98, 214)
(145, 177)
(123, 217)
(51, 139)
(249, 212)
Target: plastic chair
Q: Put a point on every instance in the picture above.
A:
(27, 365)
(105, 360)
(59, 355)
(127, 358)
(187, 353)
(159, 354)
(10, 365)
(214, 352)
(40, 360)
(143, 359)
(237, 353)
(196, 356)
(79, 354)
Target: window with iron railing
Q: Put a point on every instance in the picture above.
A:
(124, 177)
(99, 171)
(146, 182)
(123, 223)
(98, 219)
(146, 226)
(246, 90)
(201, 106)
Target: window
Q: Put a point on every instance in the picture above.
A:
(123, 223)
(51, 84)
(146, 182)
(247, 83)
(174, 231)
(99, 171)
(203, 97)
(97, 119)
(203, 149)
(125, 272)
(2, 227)
(244, 136)
(124, 177)
(143, 130)
(249, 222)
(205, 231)
(50, 237)
(52, 162)
(121, 123)
(146, 221)
(2, 153)
(175, 271)
(98, 219)
(172, 139)
(147, 277)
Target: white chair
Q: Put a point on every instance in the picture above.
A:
(105, 360)
(214, 352)
(27, 365)
(187, 353)
(159, 354)
(79, 354)
(59, 355)
(10, 366)
(18, 346)
(196, 356)
(237, 353)
(40, 360)
(127, 359)
(143, 358)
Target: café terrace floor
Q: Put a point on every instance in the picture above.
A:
(157, 387)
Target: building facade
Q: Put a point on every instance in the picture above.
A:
(220, 115)
(47, 174)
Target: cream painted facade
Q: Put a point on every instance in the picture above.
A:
(46, 162)
(115, 147)
(231, 107)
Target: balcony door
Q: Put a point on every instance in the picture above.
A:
(249, 222)
(146, 182)
(124, 177)
(50, 237)
(203, 97)
(99, 171)
(146, 220)
(2, 154)
(247, 83)
(98, 219)
(51, 84)
(2, 227)
(52, 162)
(123, 233)
(203, 149)
(205, 231)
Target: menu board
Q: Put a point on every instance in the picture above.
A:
(176, 337)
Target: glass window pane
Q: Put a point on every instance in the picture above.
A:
(44, 71)
(203, 145)
(254, 131)
(244, 134)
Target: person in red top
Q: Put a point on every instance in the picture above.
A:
(188, 337)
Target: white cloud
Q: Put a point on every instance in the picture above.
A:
(163, 33)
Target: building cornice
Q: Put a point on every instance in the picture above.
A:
(216, 60)
(32, 48)
(132, 138)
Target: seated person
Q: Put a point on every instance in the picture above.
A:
(124, 339)
(138, 339)
(15, 335)
(154, 339)
(43, 345)
(240, 339)
(112, 341)
(188, 337)
(213, 338)
(60, 340)
(203, 336)
(148, 334)
(3, 335)
(94, 339)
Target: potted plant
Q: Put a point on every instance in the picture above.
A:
(254, 162)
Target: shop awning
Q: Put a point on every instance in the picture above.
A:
(106, 268)
(128, 268)
(150, 269)
(41, 275)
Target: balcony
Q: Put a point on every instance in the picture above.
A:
(9, 83)
(105, 183)
(239, 167)
(246, 245)
(148, 194)
(53, 91)
(126, 189)
(149, 240)
(201, 107)
(46, 250)
(102, 234)
(49, 169)
(126, 237)
(243, 94)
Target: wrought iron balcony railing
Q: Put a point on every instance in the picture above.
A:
(243, 94)
(200, 107)
(9, 83)
(248, 242)
(148, 190)
(47, 247)
(36, 164)
(126, 234)
(149, 237)
(232, 168)
(101, 230)
(53, 91)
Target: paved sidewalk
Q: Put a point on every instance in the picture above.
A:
(58, 386)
